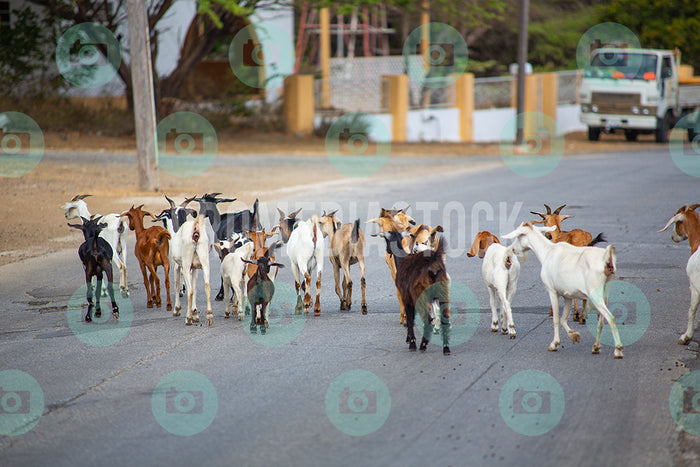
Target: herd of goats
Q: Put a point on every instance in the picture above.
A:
(571, 266)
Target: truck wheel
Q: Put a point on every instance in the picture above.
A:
(663, 126)
(593, 133)
(631, 135)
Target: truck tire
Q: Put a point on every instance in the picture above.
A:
(631, 135)
(663, 126)
(593, 133)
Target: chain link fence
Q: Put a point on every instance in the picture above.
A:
(357, 85)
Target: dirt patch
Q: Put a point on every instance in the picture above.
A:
(33, 224)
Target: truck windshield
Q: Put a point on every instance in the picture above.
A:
(622, 65)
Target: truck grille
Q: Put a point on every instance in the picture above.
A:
(615, 102)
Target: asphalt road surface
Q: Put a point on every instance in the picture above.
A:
(342, 388)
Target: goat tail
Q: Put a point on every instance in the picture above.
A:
(355, 235)
(597, 239)
(610, 260)
(163, 236)
(509, 257)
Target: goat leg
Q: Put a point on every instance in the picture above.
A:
(98, 307)
(220, 293)
(88, 315)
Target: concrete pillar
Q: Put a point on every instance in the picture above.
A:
(464, 97)
(395, 94)
(299, 104)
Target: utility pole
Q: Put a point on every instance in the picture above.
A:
(142, 90)
(522, 59)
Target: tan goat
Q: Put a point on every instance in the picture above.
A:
(347, 247)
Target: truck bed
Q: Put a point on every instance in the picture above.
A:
(689, 95)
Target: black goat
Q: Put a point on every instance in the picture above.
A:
(96, 256)
(261, 289)
(422, 282)
(227, 224)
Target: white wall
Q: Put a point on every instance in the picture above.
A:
(489, 123)
(439, 125)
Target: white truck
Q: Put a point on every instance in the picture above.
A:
(638, 91)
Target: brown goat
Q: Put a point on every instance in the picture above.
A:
(259, 238)
(421, 279)
(397, 220)
(347, 246)
(152, 250)
(576, 237)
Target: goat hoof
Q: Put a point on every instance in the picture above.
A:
(210, 320)
(88, 318)
(684, 340)
(240, 317)
(149, 305)
(446, 350)
(412, 346)
(504, 331)
(168, 307)
(364, 309)
(575, 337)
(596, 349)
(553, 347)
(512, 335)
(176, 312)
(263, 330)
(125, 293)
(317, 312)
(253, 329)
(98, 313)
(618, 352)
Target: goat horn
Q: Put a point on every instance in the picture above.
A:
(141, 206)
(79, 197)
(549, 210)
(282, 214)
(187, 201)
(692, 207)
(677, 218)
(538, 214)
(558, 210)
(172, 204)
(294, 214)
(331, 214)
(408, 206)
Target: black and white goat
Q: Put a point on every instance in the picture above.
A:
(96, 256)
(227, 224)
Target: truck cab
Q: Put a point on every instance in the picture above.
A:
(636, 91)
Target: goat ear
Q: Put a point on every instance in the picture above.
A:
(102, 225)
(275, 229)
(561, 218)
(276, 245)
(271, 233)
(475, 246)
(75, 226)
(277, 264)
(255, 262)
(538, 214)
(437, 228)
(85, 221)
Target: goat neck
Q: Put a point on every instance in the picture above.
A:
(692, 229)
(538, 243)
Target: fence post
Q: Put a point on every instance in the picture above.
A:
(533, 102)
(299, 104)
(550, 97)
(396, 91)
(464, 97)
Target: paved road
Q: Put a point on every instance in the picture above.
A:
(282, 399)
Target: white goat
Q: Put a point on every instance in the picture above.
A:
(233, 271)
(305, 251)
(500, 271)
(115, 233)
(687, 226)
(571, 272)
(190, 252)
